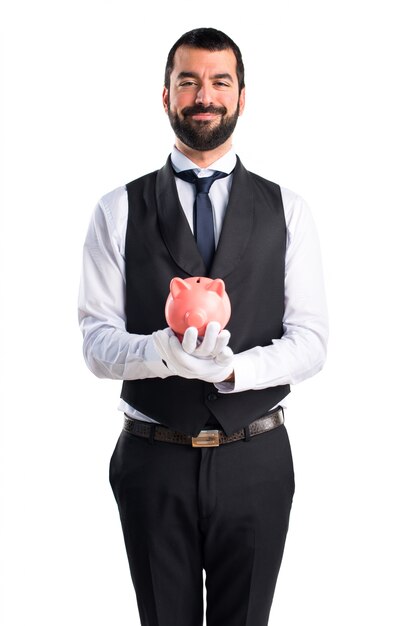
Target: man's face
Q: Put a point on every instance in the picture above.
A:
(203, 102)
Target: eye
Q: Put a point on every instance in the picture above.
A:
(187, 83)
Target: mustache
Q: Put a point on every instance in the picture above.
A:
(194, 110)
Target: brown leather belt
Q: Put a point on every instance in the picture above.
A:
(206, 438)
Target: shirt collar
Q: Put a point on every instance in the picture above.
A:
(226, 163)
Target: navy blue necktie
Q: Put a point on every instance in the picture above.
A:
(203, 219)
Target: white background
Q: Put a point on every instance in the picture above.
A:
(330, 114)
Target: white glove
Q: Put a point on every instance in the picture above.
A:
(211, 369)
(211, 345)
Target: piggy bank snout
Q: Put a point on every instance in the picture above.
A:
(196, 317)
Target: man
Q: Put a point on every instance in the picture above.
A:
(217, 501)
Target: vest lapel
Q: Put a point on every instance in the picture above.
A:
(174, 226)
(238, 224)
(236, 230)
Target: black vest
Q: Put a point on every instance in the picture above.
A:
(250, 258)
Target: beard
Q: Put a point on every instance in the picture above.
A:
(203, 135)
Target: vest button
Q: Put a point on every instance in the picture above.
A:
(212, 396)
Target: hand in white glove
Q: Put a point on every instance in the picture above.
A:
(213, 343)
(211, 369)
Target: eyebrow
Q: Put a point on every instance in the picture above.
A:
(194, 75)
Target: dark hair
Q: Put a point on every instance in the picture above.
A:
(206, 39)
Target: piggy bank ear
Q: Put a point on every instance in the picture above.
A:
(218, 286)
(177, 285)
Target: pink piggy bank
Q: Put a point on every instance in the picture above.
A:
(195, 302)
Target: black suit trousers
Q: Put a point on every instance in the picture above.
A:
(224, 510)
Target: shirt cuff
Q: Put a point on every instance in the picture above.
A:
(244, 375)
(153, 361)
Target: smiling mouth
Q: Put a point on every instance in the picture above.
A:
(204, 117)
(200, 114)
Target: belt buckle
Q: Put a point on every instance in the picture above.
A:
(206, 439)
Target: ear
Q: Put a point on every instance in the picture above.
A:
(177, 285)
(242, 100)
(218, 286)
(165, 98)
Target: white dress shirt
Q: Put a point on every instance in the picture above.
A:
(111, 352)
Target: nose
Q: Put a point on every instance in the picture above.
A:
(204, 96)
(196, 317)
